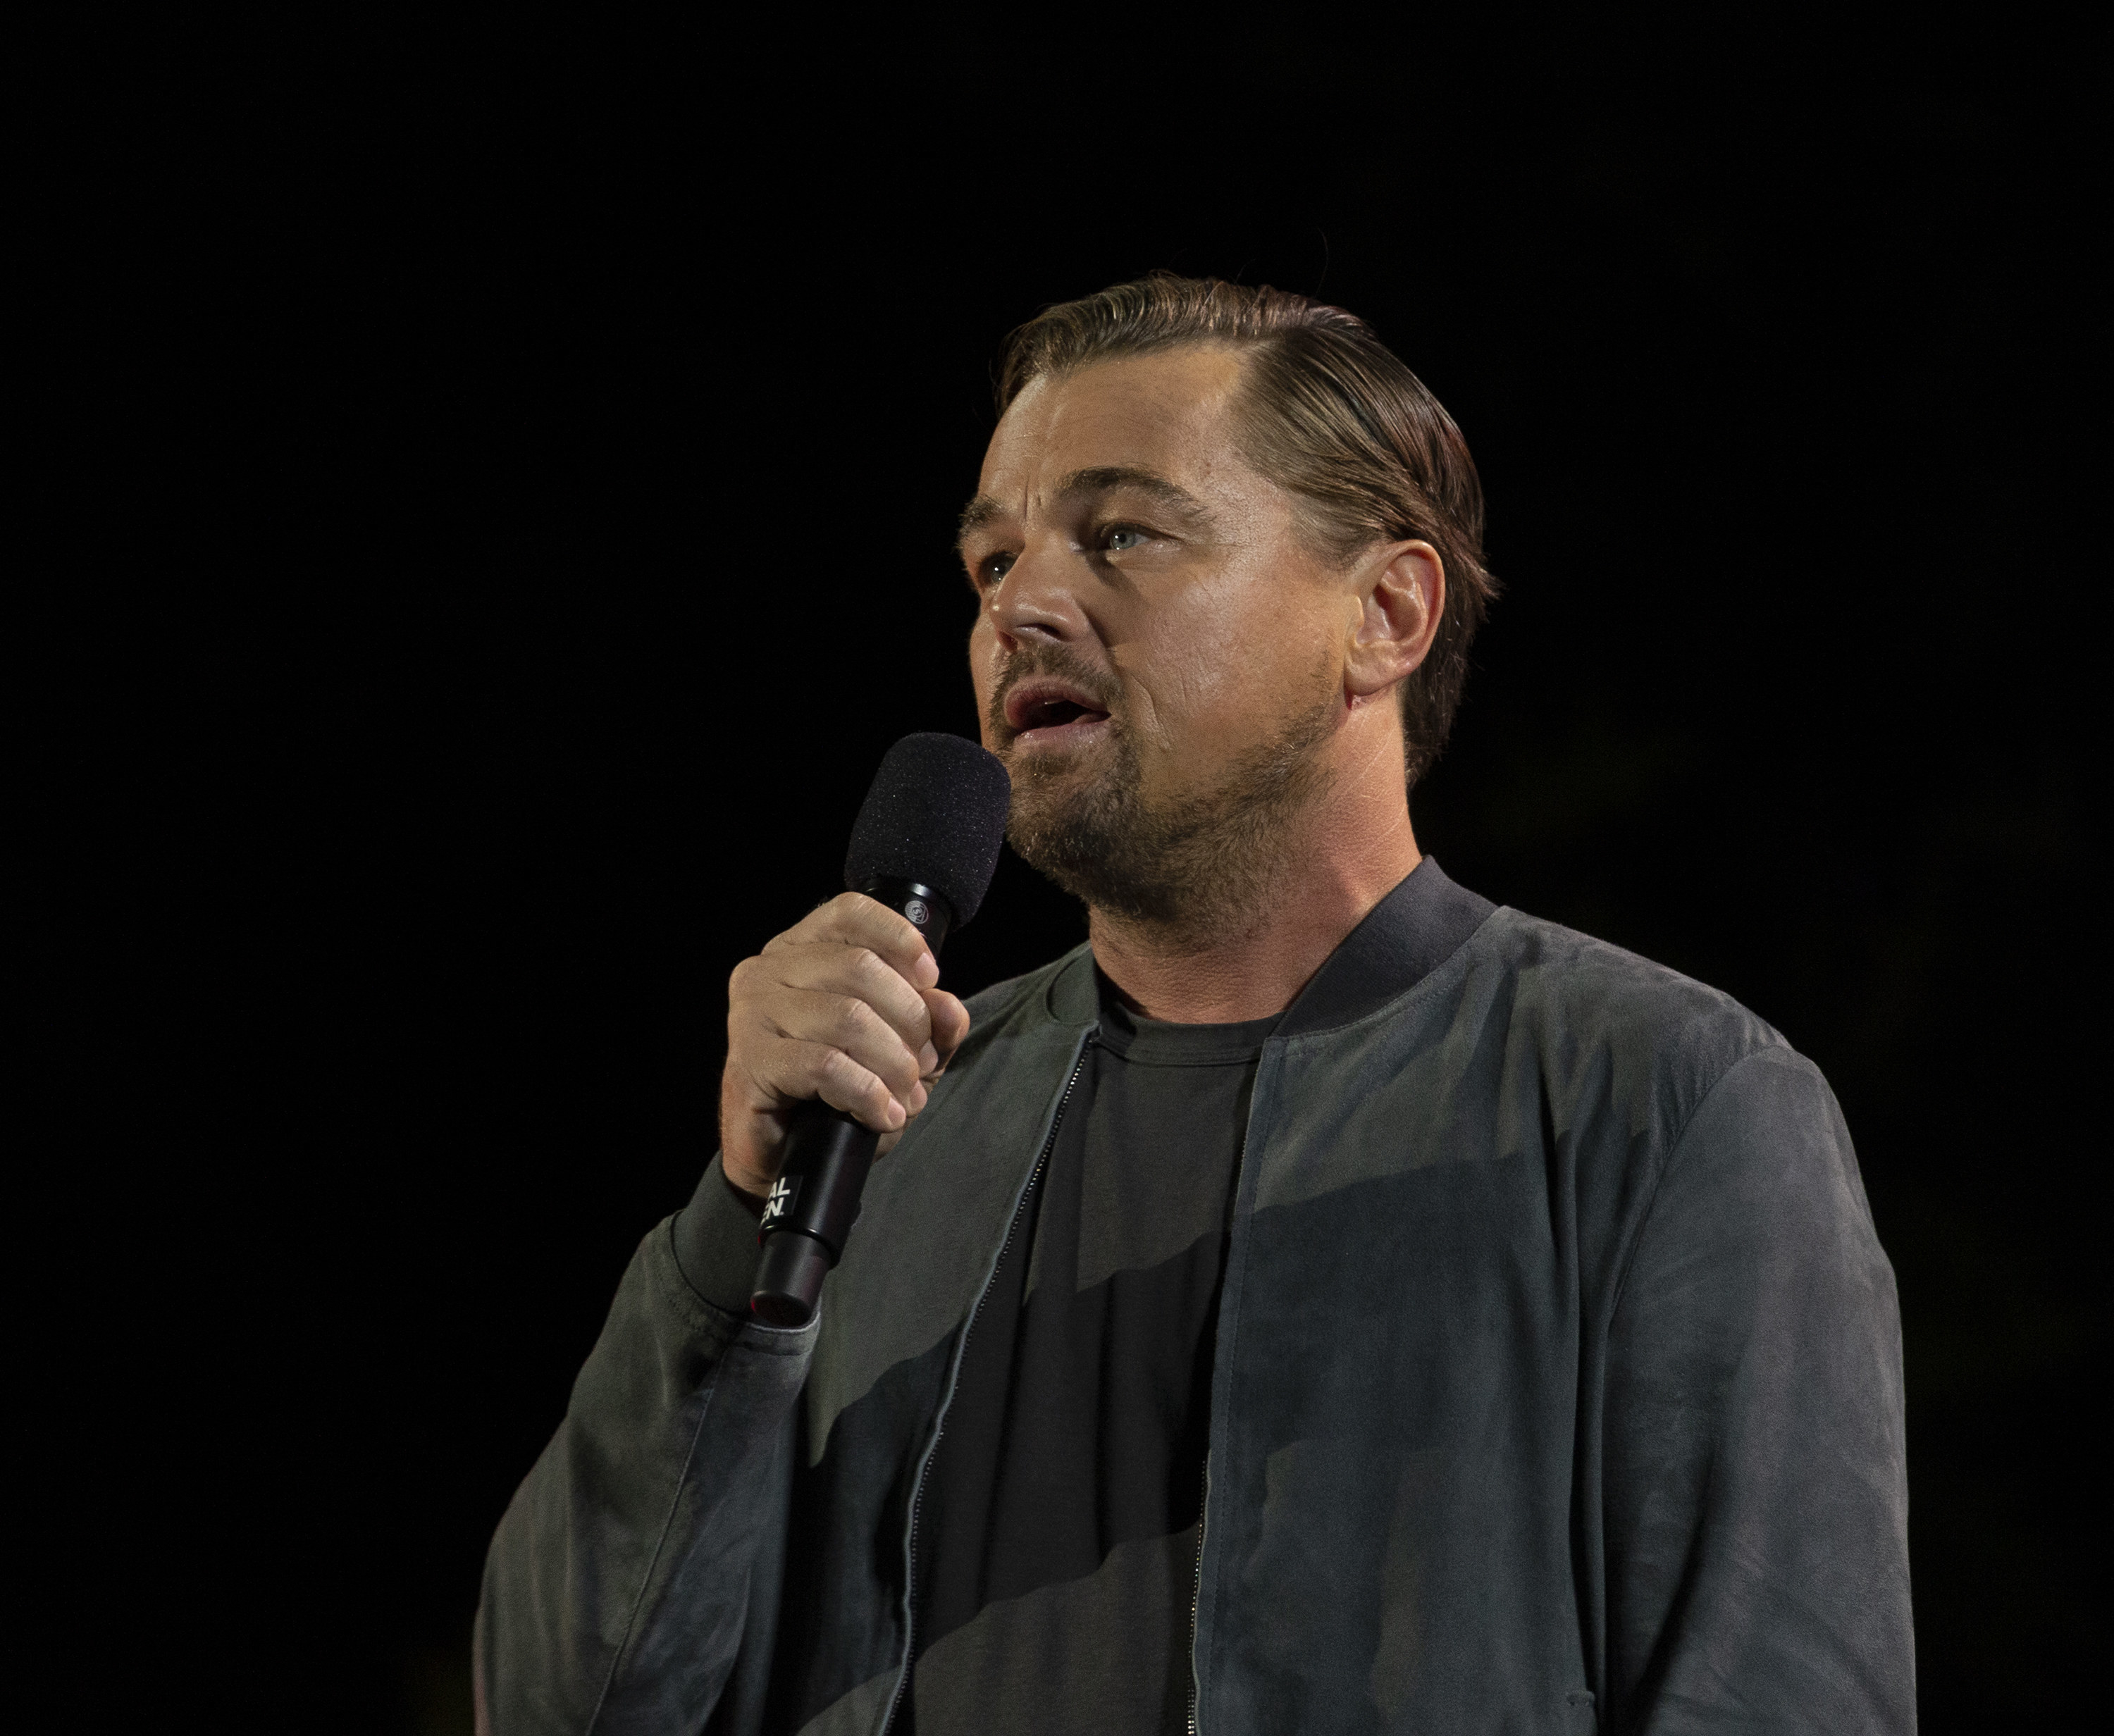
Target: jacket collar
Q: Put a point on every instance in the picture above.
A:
(1409, 934)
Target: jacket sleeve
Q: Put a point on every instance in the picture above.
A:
(1755, 1489)
(627, 1580)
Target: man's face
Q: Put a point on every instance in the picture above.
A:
(1158, 652)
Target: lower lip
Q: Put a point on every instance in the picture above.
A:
(1079, 730)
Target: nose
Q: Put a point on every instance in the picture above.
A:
(1035, 600)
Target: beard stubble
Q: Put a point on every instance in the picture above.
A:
(1198, 865)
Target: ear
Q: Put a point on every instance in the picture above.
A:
(1401, 594)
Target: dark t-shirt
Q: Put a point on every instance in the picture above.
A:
(1057, 1539)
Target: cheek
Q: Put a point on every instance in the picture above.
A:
(1232, 659)
(983, 677)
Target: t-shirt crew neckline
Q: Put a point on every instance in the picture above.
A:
(1145, 1042)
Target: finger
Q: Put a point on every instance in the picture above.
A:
(853, 919)
(949, 1021)
(797, 1071)
(844, 1021)
(859, 972)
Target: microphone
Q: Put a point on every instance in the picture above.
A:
(925, 845)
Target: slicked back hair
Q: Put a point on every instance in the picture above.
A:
(1328, 412)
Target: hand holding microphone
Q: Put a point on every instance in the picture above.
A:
(835, 1029)
(841, 1008)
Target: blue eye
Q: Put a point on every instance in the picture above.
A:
(1122, 536)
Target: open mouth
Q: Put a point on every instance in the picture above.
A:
(1054, 714)
(1044, 712)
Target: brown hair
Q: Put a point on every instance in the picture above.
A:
(1328, 413)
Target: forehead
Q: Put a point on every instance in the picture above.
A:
(1167, 411)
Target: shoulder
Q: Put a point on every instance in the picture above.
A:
(1606, 1023)
(1590, 985)
(1648, 1076)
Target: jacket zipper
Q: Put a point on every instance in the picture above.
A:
(1197, 1599)
(1204, 1507)
(918, 1500)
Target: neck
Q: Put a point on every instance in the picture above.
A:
(1220, 967)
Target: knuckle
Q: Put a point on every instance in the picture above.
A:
(837, 1069)
(860, 1088)
(885, 988)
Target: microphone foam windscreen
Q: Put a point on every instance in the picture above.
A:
(935, 814)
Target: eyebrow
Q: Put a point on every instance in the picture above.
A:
(1101, 479)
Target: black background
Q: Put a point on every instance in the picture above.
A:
(558, 468)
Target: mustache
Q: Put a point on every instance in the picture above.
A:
(1059, 662)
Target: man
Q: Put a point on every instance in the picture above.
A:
(1325, 1302)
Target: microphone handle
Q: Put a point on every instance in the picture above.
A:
(815, 1200)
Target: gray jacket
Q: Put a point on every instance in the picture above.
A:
(1557, 1385)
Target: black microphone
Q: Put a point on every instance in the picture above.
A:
(926, 845)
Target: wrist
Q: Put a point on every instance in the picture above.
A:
(745, 1179)
(751, 1202)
